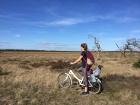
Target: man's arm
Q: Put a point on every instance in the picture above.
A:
(78, 60)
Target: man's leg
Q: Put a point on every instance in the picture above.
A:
(85, 82)
(85, 77)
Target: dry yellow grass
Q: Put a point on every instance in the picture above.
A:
(31, 79)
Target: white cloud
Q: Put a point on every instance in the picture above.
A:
(136, 31)
(68, 21)
(65, 21)
(52, 11)
(17, 35)
(125, 19)
(5, 45)
(73, 21)
(121, 19)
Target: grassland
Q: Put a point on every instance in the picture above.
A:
(30, 78)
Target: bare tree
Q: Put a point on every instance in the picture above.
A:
(131, 45)
(97, 45)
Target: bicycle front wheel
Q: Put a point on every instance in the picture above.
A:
(64, 81)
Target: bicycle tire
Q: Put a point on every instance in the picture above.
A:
(97, 87)
(64, 80)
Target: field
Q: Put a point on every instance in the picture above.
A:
(30, 78)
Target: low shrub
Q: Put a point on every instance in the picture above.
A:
(136, 64)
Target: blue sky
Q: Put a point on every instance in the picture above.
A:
(65, 24)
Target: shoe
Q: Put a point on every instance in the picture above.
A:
(84, 93)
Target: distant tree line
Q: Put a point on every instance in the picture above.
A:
(25, 50)
(20, 50)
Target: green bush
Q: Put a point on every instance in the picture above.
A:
(136, 64)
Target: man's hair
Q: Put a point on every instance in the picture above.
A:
(84, 45)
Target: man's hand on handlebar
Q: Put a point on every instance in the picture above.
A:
(71, 63)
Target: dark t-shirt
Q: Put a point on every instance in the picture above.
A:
(84, 59)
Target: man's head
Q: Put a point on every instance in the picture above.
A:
(84, 47)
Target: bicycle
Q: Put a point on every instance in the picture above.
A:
(65, 81)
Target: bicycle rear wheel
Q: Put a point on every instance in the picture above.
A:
(96, 89)
(64, 80)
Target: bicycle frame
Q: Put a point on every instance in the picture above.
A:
(79, 80)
